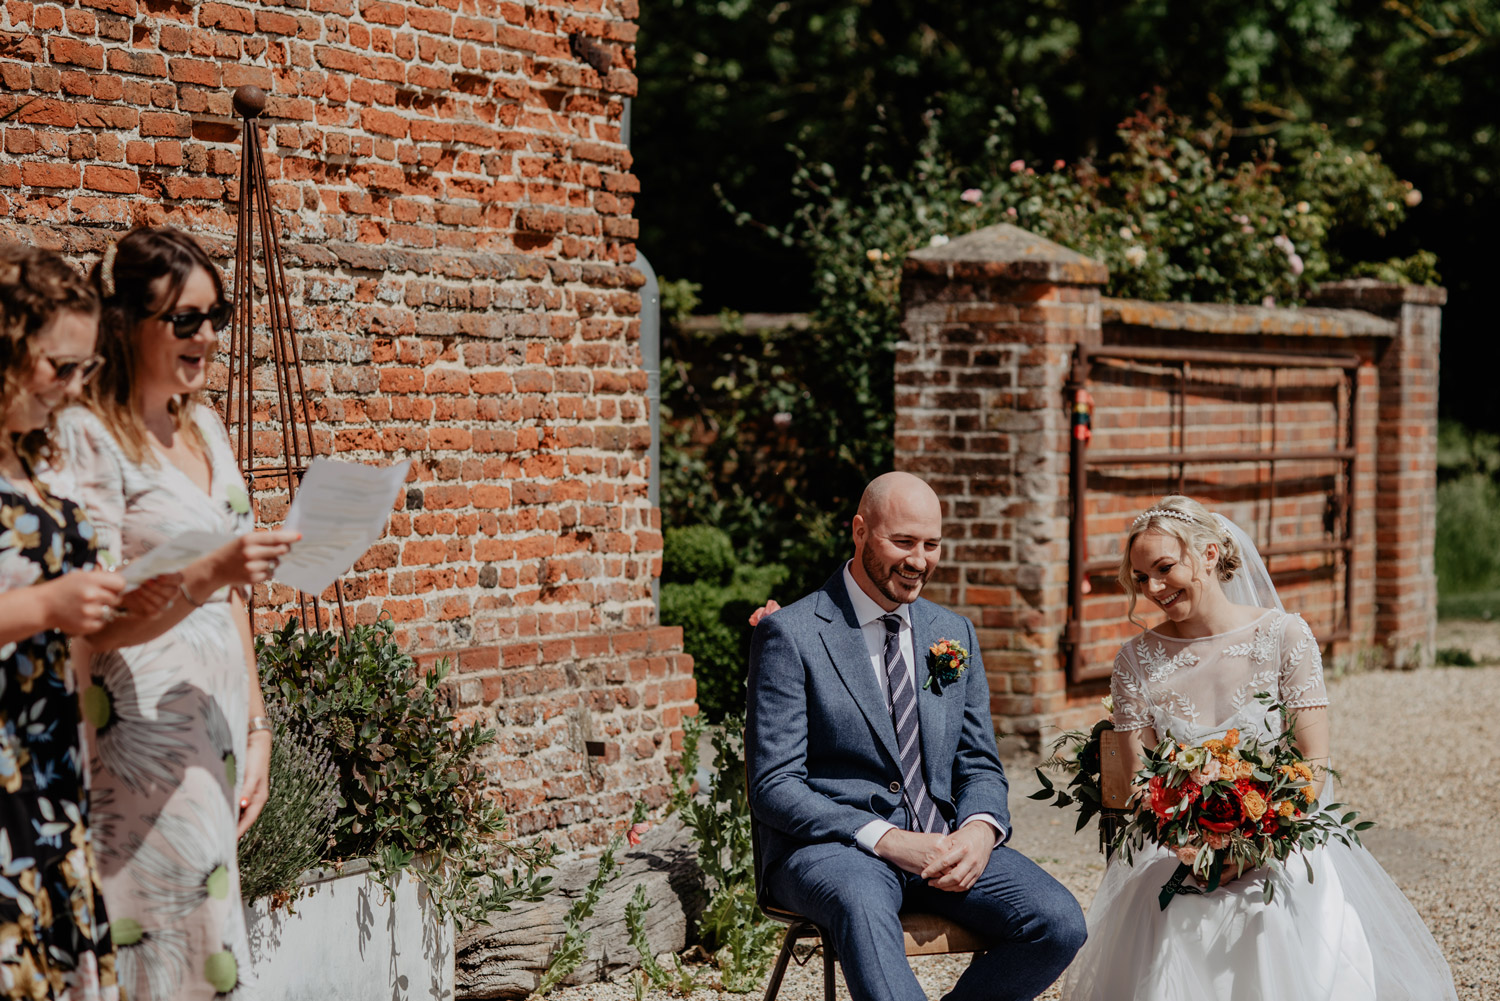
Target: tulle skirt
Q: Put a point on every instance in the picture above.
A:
(1348, 934)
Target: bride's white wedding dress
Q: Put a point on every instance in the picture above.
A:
(1346, 934)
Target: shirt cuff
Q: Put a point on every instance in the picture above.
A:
(1000, 834)
(870, 834)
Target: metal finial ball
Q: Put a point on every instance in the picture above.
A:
(249, 101)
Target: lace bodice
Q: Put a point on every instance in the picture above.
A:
(1199, 688)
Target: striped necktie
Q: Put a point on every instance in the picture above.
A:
(924, 812)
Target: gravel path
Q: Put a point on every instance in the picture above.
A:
(1417, 757)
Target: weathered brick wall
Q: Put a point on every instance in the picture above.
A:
(455, 204)
(1146, 408)
(992, 321)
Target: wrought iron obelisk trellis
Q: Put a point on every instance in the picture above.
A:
(271, 470)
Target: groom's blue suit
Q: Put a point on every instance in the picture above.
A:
(823, 763)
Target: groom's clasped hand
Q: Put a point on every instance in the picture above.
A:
(950, 862)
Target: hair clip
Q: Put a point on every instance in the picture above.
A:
(107, 270)
(1162, 512)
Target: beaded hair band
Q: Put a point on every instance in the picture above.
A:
(1163, 512)
(107, 270)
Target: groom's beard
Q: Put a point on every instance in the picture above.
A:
(895, 588)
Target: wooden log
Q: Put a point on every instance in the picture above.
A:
(506, 957)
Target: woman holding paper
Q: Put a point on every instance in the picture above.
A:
(181, 743)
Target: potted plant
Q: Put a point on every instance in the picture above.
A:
(413, 839)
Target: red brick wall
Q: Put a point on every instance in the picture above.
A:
(456, 210)
(991, 322)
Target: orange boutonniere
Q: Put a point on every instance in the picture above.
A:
(946, 663)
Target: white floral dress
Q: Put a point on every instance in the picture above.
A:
(169, 721)
(1337, 927)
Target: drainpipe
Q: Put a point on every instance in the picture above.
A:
(651, 360)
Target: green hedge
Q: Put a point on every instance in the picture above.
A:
(711, 596)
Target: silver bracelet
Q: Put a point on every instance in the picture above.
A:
(182, 589)
(258, 723)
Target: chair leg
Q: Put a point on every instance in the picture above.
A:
(828, 962)
(788, 943)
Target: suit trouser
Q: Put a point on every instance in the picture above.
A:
(1034, 924)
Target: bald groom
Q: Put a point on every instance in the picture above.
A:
(874, 781)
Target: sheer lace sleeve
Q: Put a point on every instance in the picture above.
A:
(1132, 711)
(91, 475)
(1301, 679)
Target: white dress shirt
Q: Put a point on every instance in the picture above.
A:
(868, 614)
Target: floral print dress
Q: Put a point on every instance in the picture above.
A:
(169, 721)
(54, 938)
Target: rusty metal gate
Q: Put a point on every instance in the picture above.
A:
(1260, 378)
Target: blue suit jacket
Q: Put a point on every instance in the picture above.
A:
(820, 745)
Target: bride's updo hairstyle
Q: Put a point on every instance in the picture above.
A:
(1190, 523)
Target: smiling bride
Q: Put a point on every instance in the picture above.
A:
(1337, 929)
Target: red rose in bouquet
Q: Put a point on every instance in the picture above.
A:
(1165, 798)
(1222, 813)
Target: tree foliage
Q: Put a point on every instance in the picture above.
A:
(773, 436)
(727, 86)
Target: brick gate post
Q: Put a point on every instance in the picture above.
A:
(1405, 464)
(990, 321)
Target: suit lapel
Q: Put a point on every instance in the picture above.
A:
(933, 709)
(851, 659)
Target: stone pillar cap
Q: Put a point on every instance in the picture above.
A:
(1006, 252)
(1374, 295)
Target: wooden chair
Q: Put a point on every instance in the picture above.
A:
(1115, 776)
(925, 934)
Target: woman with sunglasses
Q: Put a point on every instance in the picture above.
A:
(54, 939)
(181, 743)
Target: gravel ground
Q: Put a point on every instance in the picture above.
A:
(1416, 756)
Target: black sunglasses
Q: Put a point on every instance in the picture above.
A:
(84, 368)
(188, 322)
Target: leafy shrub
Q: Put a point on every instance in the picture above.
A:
(735, 456)
(571, 950)
(1455, 656)
(772, 436)
(713, 605)
(697, 554)
(411, 791)
(295, 826)
(740, 938)
(1467, 547)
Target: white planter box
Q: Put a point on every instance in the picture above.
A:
(349, 941)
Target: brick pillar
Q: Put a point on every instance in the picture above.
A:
(990, 321)
(1405, 464)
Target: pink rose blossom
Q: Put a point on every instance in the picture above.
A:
(1016, 166)
(972, 195)
(1208, 773)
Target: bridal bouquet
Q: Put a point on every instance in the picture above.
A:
(1231, 802)
(1234, 802)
